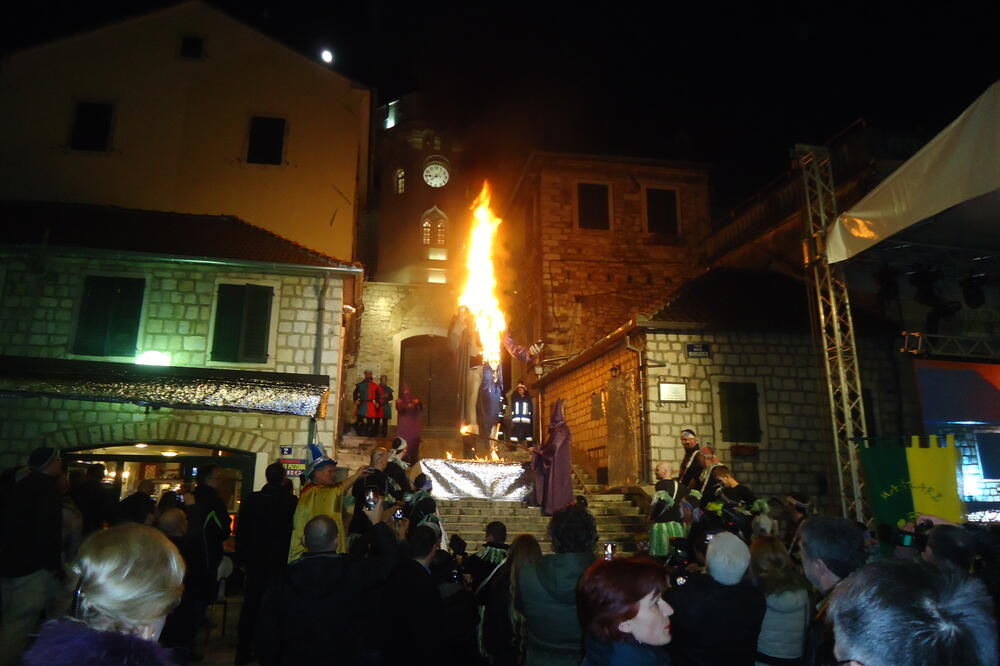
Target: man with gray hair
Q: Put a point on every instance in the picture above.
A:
(898, 613)
(310, 613)
(831, 549)
(697, 604)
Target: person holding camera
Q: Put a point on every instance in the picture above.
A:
(322, 495)
(312, 609)
(382, 479)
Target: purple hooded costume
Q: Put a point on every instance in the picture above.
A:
(553, 466)
(408, 423)
(488, 412)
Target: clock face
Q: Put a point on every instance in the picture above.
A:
(436, 175)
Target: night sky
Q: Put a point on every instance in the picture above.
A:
(732, 85)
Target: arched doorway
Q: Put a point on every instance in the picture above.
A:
(427, 366)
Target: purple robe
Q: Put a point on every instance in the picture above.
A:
(408, 423)
(553, 466)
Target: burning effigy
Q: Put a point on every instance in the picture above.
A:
(478, 331)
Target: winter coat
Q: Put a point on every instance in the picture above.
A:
(714, 624)
(208, 530)
(310, 614)
(32, 527)
(264, 530)
(623, 653)
(547, 597)
(68, 643)
(784, 627)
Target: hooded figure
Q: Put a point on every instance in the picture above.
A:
(409, 412)
(552, 466)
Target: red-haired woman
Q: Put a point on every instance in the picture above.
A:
(623, 613)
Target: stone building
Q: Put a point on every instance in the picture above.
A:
(186, 109)
(123, 341)
(730, 356)
(595, 240)
(414, 253)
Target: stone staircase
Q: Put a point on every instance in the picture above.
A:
(618, 519)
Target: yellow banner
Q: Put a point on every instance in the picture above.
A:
(934, 480)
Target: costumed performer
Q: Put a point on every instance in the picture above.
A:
(552, 465)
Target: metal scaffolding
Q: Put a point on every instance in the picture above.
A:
(834, 326)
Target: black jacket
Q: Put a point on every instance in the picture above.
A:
(715, 624)
(208, 529)
(264, 528)
(310, 614)
(418, 611)
(32, 527)
(135, 508)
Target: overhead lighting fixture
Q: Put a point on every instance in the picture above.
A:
(141, 445)
(169, 454)
(152, 358)
(326, 55)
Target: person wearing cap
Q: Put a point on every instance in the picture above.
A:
(31, 568)
(321, 495)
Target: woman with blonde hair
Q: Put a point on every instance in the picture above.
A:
(785, 589)
(124, 581)
(502, 624)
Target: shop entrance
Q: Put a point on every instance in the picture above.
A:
(169, 466)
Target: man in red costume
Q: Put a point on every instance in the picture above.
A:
(367, 403)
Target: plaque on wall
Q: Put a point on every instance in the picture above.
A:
(698, 350)
(673, 392)
(285, 450)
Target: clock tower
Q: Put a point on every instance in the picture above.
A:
(421, 198)
(414, 256)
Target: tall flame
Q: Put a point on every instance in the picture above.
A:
(479, 295)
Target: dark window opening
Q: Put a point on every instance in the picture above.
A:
(192, 46)
(108, 324)
(592, 204)
(661, 211)
(92, 127)
(267, 140)
(988, 445)
(738, 402)
(242, 323)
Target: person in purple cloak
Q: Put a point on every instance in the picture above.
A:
(552, 465)
(409, 411)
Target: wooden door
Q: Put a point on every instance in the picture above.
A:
(427, 366)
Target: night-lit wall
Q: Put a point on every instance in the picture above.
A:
(181, 125)
(38, 318)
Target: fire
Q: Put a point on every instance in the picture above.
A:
(479, 295)
(493, 457)
(447, 454)
(465, 429)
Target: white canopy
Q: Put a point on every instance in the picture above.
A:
(959, 164)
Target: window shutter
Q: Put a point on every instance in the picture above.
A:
(123, 321)
(661, 211)
(228, 322)
(256, 323)
(738, 402)
(108, 323)
(592, 204)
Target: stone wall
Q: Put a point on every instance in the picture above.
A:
(581, 283)
(38, 311)
(578, 388)
(796, 451)
(393, 312)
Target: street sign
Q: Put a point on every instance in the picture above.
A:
(699, 350)
(285, 450)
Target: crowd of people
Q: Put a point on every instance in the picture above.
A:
(360, 571)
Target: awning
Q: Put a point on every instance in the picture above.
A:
(157, 386)
(961, 164)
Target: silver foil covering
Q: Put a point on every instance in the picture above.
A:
(470, 479)
(250, 395)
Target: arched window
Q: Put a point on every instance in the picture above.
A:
(425, 232)
(434, 227)
(442, 233)
(400, 181)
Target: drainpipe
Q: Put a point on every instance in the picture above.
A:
(643, 416)
(318, 346)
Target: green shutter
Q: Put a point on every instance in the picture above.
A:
(228, 323)
(740, 414)
(256, 323)
(108, 323)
